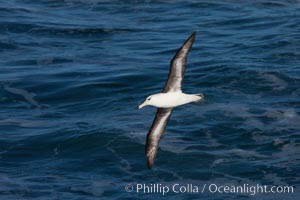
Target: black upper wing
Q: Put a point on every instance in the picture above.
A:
(177, 66)
(157, 129)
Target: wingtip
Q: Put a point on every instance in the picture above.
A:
(150, 159)
(150, 155)
(190, 40)
(149, 164)
(193, 35)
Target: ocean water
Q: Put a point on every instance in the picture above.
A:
(73, 72)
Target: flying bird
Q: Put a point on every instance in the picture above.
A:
(171, 97)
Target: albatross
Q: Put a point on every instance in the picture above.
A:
(171, 97)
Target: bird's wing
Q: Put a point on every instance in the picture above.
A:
(177, 66)
(157, 129)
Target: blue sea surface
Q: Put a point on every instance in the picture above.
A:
(73, 72)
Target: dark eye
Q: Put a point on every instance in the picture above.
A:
(149, 98)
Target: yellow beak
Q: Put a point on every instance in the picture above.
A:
(142, 105)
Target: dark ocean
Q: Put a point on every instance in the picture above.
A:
(73, 72)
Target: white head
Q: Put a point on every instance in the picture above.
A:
(150, 101)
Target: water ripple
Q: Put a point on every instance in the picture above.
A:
(73, 72)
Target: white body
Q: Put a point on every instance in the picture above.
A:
(170, 99)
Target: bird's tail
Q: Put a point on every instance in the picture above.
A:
(199, 97)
